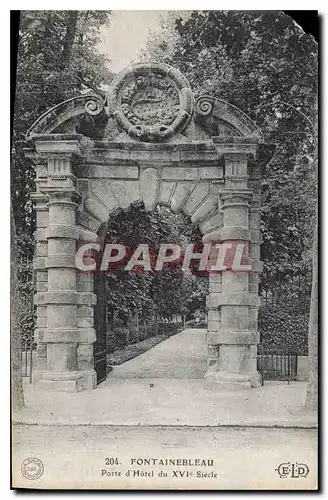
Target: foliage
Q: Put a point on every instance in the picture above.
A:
(57, 59)
(119, 356)
(263, 63)
(192, 323)
(311, 401)
(166, 292)
(169, 328)
(282, 331)
(27, 325)
(195, 290)
(284, 312)
(26, 293)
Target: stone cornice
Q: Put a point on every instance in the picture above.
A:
(209, 151)
(108, 152)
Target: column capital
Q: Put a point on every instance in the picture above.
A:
(40, 201)
(236, 197)
(228, 233)
(238, 156)
(62, 144)
(236, 146)
(64, 196)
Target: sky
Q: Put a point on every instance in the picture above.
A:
(126, 35)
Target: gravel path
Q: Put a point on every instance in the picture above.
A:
(182, 356)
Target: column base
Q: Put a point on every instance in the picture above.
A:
(231, 381)
(256, 379)
(65, 381)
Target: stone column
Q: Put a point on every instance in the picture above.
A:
(65, 335)
(254, 183)
(232, 303)
(40, 201)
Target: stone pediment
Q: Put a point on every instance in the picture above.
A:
(147, 102)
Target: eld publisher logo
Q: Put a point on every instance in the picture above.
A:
(292, 470)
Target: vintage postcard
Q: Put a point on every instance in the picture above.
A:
(164, 288)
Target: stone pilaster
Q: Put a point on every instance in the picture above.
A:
(214, 324)
(69, 361)
(85, 323)
(40, 202)
(233, 301)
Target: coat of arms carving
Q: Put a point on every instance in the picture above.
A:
(151, 102)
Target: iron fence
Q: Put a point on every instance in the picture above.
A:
(28, 358)
(277, 367)
(27, 315)
(285, 294)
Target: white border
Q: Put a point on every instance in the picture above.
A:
(5, 179)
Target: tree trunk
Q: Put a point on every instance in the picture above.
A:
(83, 27)
(311, 400)
(15, 341)
(69, 38)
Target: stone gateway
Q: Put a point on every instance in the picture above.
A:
(150, 141)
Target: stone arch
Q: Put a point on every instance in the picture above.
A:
(197, 197)
(148, 142)
(97, 283)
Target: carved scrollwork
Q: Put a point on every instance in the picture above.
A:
(94, 106)
(150, 133)
(68, 115)
(204, 105)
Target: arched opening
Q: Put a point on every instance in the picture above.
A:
(205, 161)
(141, 307)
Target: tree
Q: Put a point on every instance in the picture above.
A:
(312, 388)
(57, 59)
(168, 290)
(69, 38)
(262, 62)
(311, 400)
(15, 341)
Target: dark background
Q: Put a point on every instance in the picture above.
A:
(308, 19)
